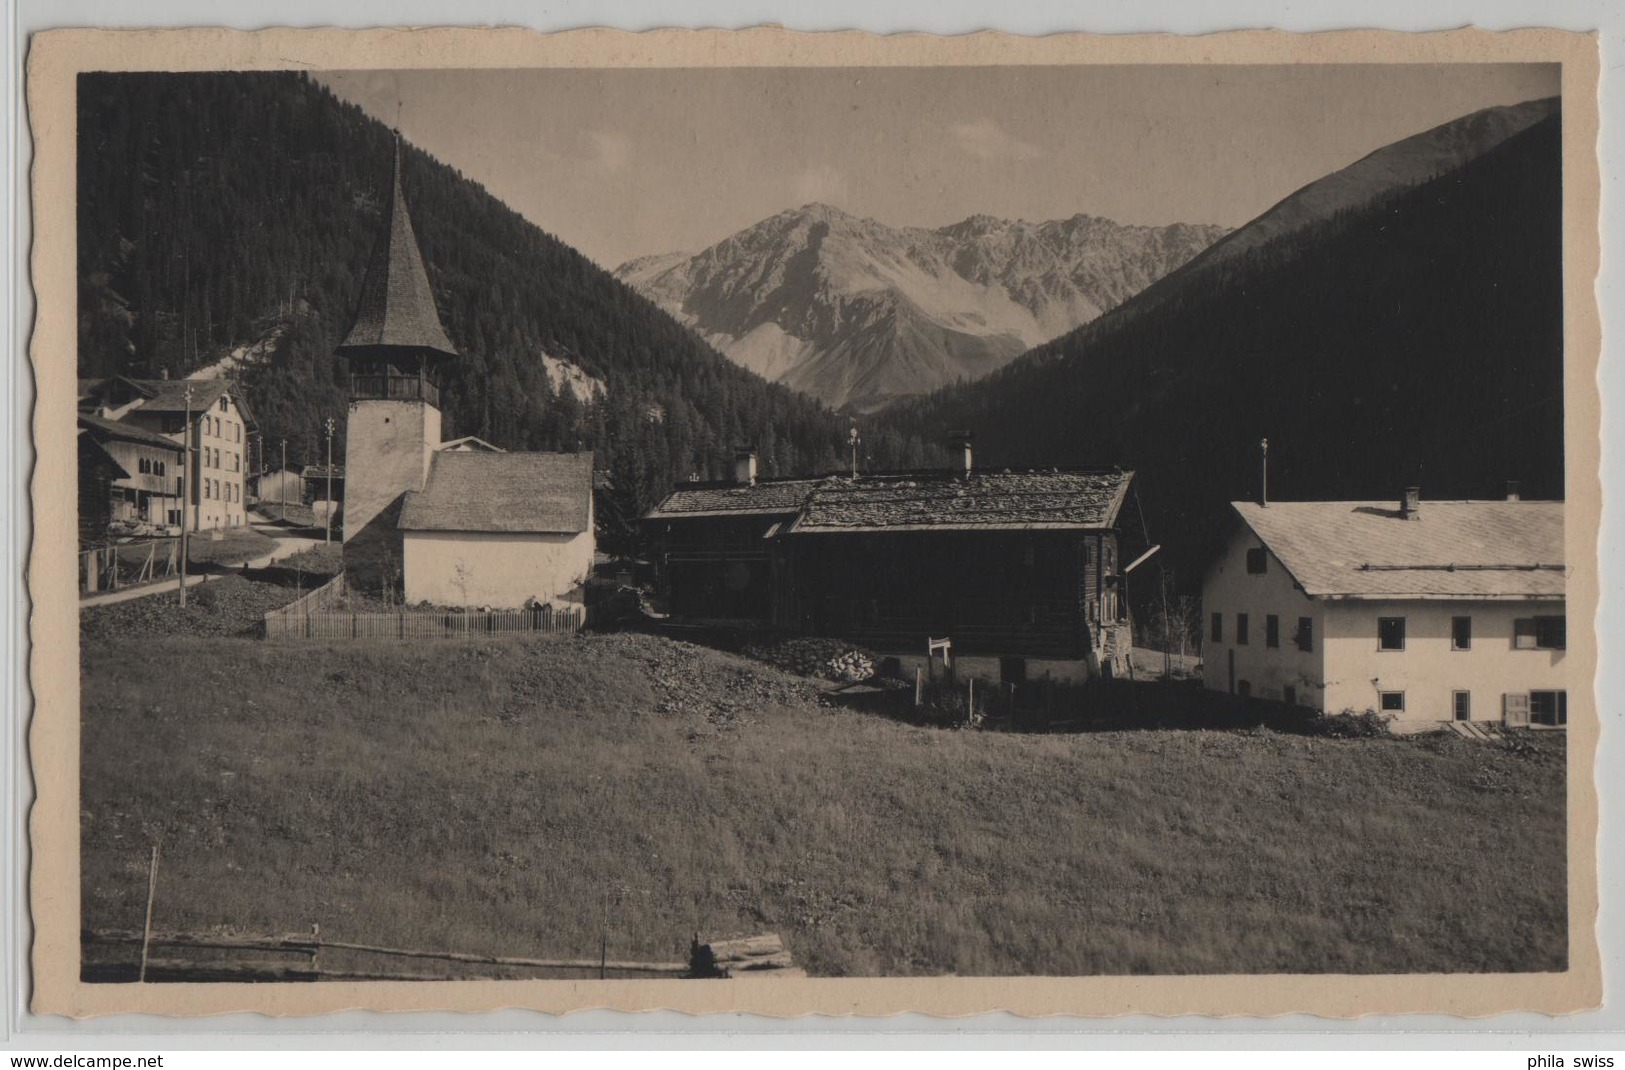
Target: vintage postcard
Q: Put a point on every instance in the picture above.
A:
(746, 520)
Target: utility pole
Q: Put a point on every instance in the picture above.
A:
(328, 512)
(282, 478)
(1264, 472)
(186, 484)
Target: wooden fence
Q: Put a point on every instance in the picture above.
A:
(312, 957)
(315, 617)
(110, 956)
(116, 565)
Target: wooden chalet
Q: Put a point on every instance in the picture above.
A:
(1021, 570)
(717, 556)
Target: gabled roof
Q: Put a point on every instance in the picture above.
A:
(102, 427)
(169, 395)
(469, 442)
(90, 450)
(984, 501)
(1453, 549)
(397, 307)
(771, 497)
(503, 492)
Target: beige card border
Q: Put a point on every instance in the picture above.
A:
(55, 57)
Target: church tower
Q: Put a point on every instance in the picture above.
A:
(395, 353)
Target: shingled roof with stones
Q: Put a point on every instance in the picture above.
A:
(983, 501)
(520, 493)
(397, 307)
(768, 498)
(1452, 549)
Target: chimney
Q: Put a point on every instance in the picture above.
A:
(1513, 491)
(745, 466)
(959, 446)
(1410, 506)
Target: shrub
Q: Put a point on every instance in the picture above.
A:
(1368, 724)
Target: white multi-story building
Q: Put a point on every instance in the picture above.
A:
(219, 436)
(1425, 611)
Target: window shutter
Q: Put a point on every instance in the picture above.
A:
(1515, 709)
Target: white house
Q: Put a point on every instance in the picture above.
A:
(499, 529)
(1425, 611)
(219, 438)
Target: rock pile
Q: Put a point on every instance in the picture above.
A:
(827, 659)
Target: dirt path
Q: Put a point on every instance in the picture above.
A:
(286, 545)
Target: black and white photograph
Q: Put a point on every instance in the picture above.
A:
(783, 522)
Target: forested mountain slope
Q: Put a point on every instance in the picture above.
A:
(214, 208)
(1414, 339)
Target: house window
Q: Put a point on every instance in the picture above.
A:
(1241, 629)
(1549, 707)
(1461, 634)
(206, 488)
(146, 466)
(224, 404)
(1461, 704)
(1306, 634)
(1391, 701)
(163, 468)
(1257, 561)
(1540, 633)
(1272, 631)
(1390, 633)
(239, 428)
(1216, 629)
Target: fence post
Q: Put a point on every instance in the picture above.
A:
(919, 685)
(146, 931)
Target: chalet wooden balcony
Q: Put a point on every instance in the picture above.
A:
(394, 388)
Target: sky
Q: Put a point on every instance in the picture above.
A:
(628, 162)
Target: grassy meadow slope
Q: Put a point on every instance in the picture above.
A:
(463, 797)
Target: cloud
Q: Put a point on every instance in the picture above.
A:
(822, 183)
(986, 140)
(610, 150)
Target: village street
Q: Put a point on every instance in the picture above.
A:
(286, 545)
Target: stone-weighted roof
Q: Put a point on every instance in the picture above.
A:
(768, 497)
(983, 501)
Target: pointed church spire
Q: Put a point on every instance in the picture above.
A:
(397, 309)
